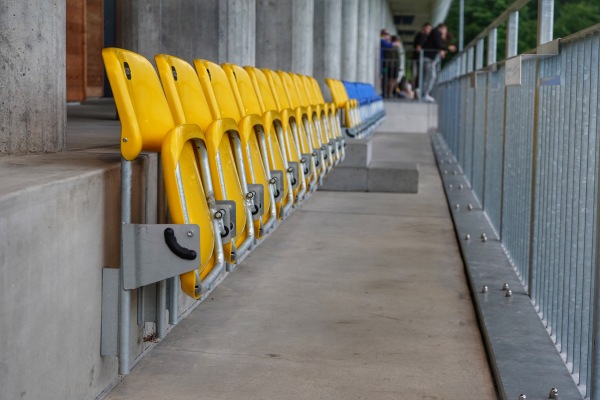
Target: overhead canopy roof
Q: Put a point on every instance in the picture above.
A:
(410, 15)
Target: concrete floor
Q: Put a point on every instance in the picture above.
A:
(356, 296)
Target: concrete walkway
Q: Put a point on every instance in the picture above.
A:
(356, 296)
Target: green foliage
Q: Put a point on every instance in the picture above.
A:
(570, 16)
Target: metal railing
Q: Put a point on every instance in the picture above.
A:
(531, 151)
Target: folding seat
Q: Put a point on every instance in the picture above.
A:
(317, 120)
(333, 118)
(268, 125)
(191, 245)
(323, 112)
(239, 205)
(294, 118)
(343, 102)
(310, 126)
(282, 125)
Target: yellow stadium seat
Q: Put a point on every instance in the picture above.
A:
(293, 116)
(248, 105)
(323, 111)
(189, 104)
(341, 100)
(306, 116)
(148, 125)
(285, 132)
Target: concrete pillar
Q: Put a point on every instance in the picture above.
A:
(33, 85)
(372, 65)
(327, 42)
(363, 49)
(349, 39)
(216, 30)
(237, 31)
(284, 35)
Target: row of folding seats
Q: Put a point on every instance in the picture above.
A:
(363, 108)
(241, 147)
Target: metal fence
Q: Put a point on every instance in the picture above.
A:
(531, 153)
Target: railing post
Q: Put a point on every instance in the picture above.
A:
(470, 59)
(545, 21)
(492, 46)
(479, 54)
(512, 34)
(461, 25)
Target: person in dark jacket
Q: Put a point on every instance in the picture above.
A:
(418, 43)
(435, 49)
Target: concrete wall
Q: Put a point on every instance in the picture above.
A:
(218, 30)
(33, 85)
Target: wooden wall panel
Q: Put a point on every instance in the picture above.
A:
(94, 44)
(76, 56)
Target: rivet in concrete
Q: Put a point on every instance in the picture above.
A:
(457, 206)
(484, 289)
(190, 234)
(470, 206)
(467, 237)
(450, 186)
(505, 286)
(553, 393)
(508, 293)
(454, 172)
(445, 172)
(460, 186)
(522, 397)
(483, 237)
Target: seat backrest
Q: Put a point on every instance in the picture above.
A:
(217, 89)
(263, 89)
(302, 94)
(290, 89)
(184, 92)
(143, 109)
(317, 89)
(243, 90)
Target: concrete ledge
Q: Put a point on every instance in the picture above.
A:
(359, 153)
(346, 179)
(393, 177)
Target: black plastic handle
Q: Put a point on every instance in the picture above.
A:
(176, 248)
(277, 193)
(255, 210)
(226, 233)
(294, 181)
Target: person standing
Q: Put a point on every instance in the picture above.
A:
(435, 49)
(418, 43)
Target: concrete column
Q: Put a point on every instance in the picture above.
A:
(302, 32)
(278, 46)
(327, 42)
(237, 33)
(216, 30)
(33, 85)
(373, 63)
(363, 49)
(349, 39)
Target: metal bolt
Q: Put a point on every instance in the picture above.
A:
(250, 195)
(484, 289)
(454, 172)
(124, 140)
(457, 206)
(273, 181)
(483, 237)
(508, 293)
(290, 170)
(505, 286)
(553, 393)
(467, 237)
(470, 206)
(190, 234)
(303, 160)
(218, 215)
(460, 187)
(450, 186)
(522, 397)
